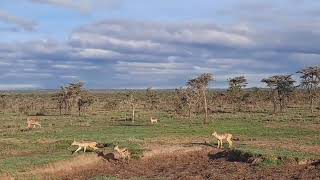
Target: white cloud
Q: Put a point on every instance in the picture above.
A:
(84, 6)
(74, 66)
(97, 54)
(18, 86)
(19, 21)
(69, 77)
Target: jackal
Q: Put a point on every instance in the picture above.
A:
(33, 122)
(221, 137)
(123, 152)
(84, 145)
(153, 120)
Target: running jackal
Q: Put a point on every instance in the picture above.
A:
(123, 152)
(84, 145)
(221, 137)
(33, 122)
(153, 120)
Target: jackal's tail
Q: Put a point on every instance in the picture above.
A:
(102, 145)
(235, 139)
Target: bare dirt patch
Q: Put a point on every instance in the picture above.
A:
(179, 161)
(184, 163)
(195, 165)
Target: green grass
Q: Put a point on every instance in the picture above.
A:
(24, 150)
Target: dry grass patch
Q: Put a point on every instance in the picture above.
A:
(75, 165)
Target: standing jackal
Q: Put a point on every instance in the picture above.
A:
(32, 122)
(124, 152)
(153, 120)
(221, 137)
(84, 145)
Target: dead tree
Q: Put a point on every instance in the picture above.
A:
(310, 80)
(73, 94)
(152, 98)
(201, 84)
(132, 102)
(236, 86)
(186, 98)
(281, 87)
(84, 100)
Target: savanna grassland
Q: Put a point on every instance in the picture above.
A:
(284, 137)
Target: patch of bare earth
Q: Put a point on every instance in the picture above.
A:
(175, 162)
(171, 161)
(204, 164)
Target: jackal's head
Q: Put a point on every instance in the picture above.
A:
(214, 133)
(74, 143)
(116, 148)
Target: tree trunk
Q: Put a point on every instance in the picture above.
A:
(205, 105)
(133, 113)
(60, 109)
(274, 103)
(189, 112)
(281, 105)
(312, 104)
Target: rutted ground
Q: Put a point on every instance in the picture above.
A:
(192, 161)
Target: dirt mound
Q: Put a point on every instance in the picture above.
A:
(195, 165)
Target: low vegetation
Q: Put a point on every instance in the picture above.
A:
(275, 122)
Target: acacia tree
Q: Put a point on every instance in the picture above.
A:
(73, 94)
(132, 102)
(84, 100)
(236, 86)
(281, 88)
(152, 98)
(201, 84)
(310, 80)
(62, 98)
(187, 98)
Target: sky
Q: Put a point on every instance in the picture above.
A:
(114, 44)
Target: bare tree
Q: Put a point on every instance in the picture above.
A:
(73, 94)
(187, 98)
(236, 86)
(84, 100)
(281, 87)
(310, 80)
(152, 98)
(132, 101)
(201, 84)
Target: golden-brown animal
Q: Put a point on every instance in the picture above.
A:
(153, 120)
(84, 145)
(32, 122)
(221, 137)
(123, 152)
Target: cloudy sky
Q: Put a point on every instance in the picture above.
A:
(153, 43)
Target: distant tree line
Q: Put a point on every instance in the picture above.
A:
(194, 99)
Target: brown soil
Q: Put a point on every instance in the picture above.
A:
(207, 163)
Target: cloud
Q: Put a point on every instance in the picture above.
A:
(151, 36)
(74, 67)
(96, 54)
(84, 6)
(126, 54)
(69, 77)
(18, 86)
(27, 25)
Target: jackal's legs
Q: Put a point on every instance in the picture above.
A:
(79, 148)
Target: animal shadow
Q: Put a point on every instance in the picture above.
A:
(109, 156)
